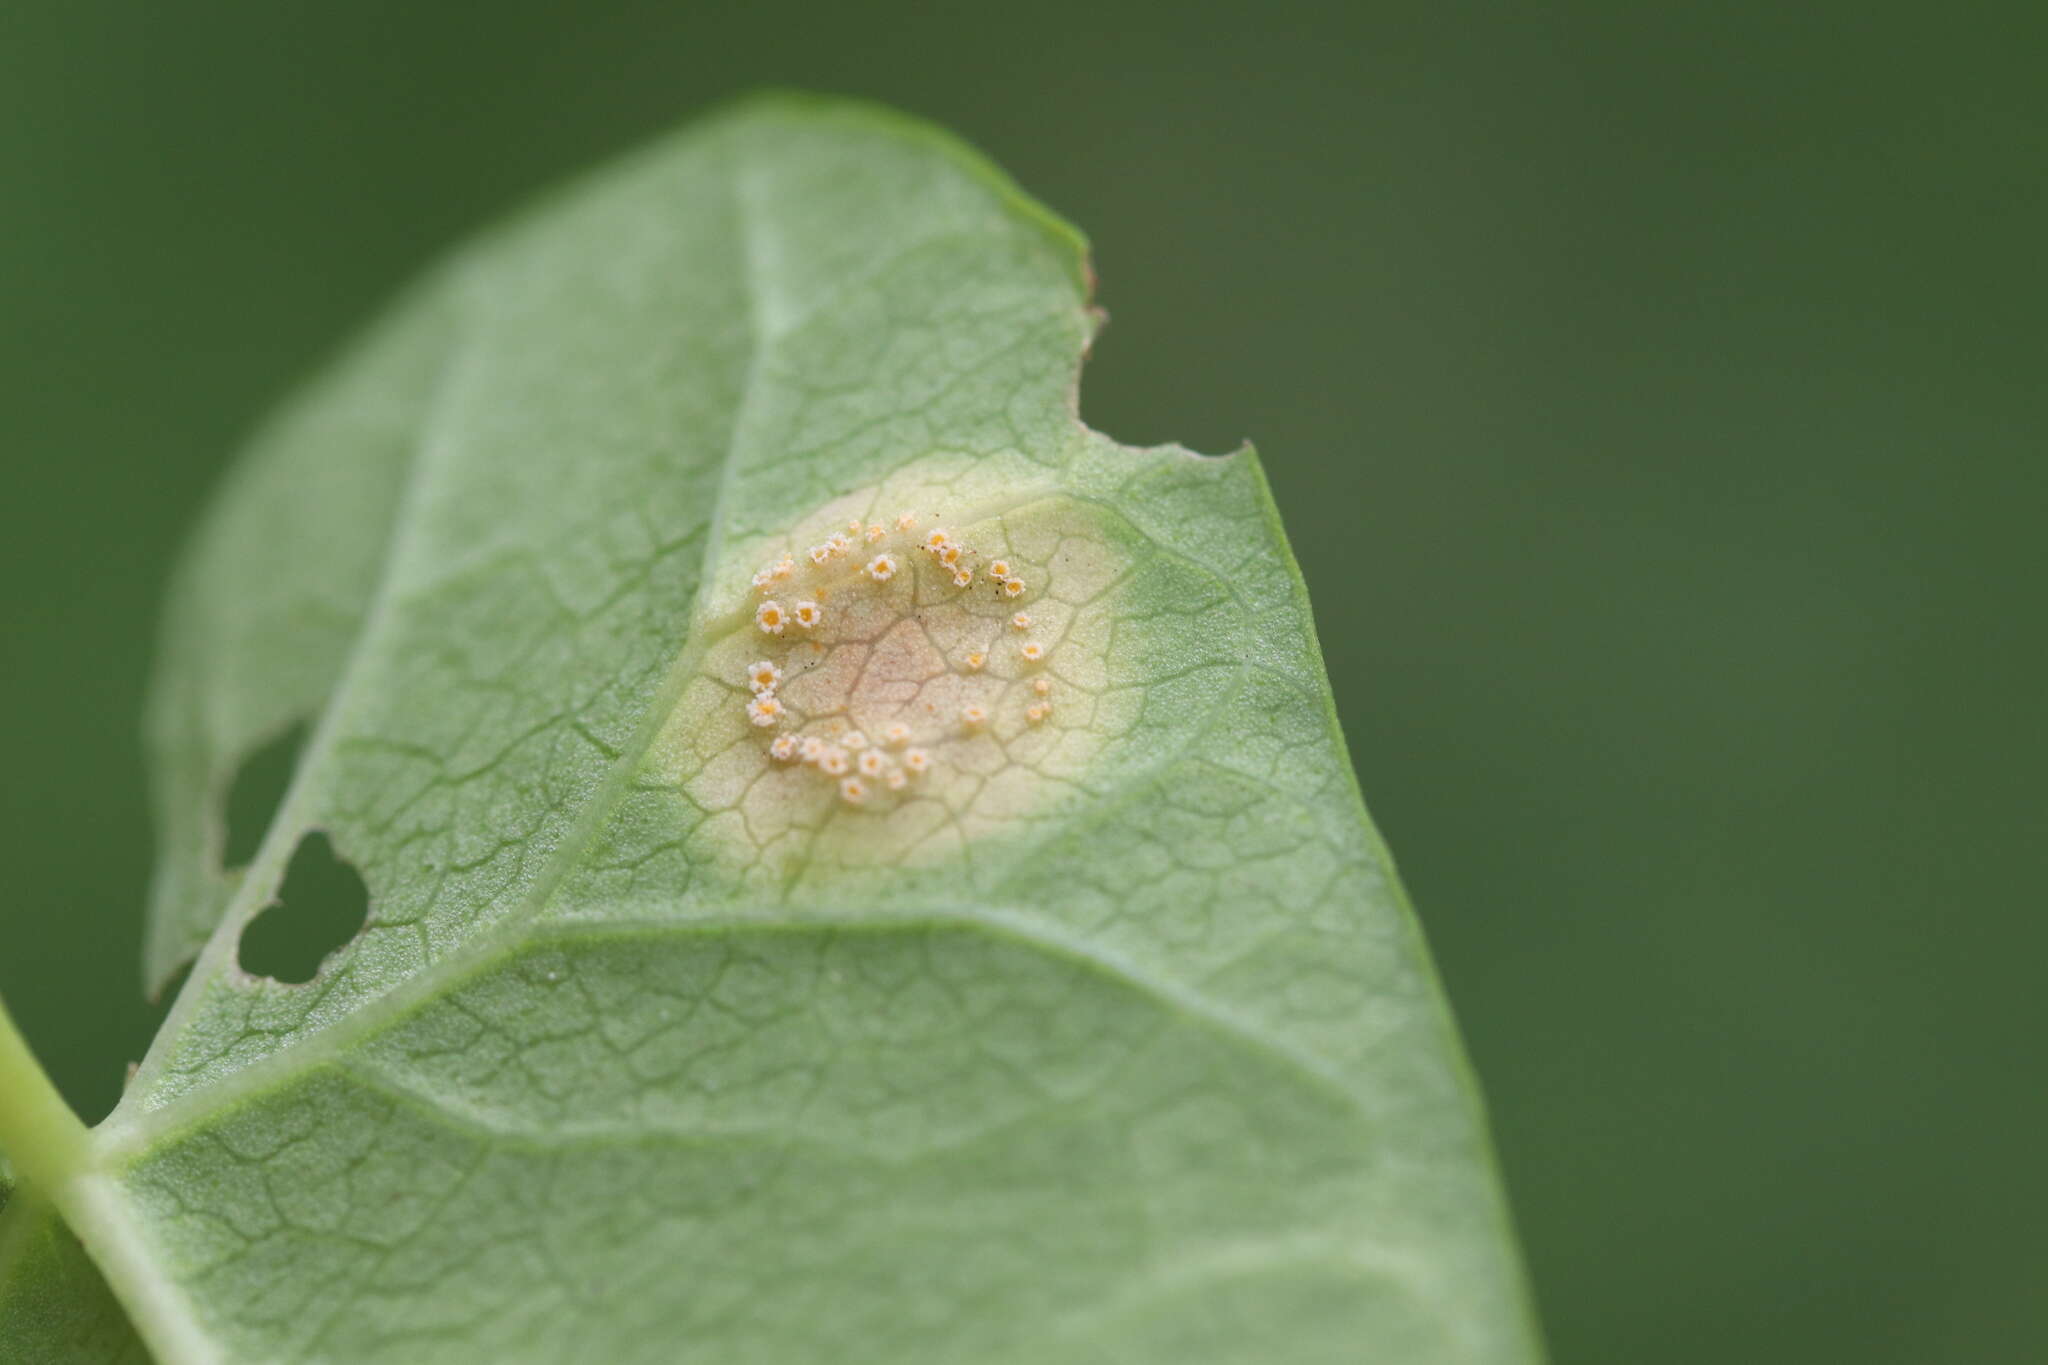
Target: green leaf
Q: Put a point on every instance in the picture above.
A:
(54, 1307)
(1109, 1038)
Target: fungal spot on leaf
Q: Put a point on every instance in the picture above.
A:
(907, 715)
(322, 905)
(257, 792)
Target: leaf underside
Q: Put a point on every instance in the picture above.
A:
(1109, 1039)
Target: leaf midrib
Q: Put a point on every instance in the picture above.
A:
(509, 939)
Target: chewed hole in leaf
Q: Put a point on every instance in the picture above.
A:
(257, 792)
(322, 905)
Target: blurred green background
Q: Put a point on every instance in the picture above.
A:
(1655, 397)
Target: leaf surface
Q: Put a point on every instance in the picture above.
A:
(1109, 1037)
(54, 1307)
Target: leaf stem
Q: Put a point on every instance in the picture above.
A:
(38, 1131)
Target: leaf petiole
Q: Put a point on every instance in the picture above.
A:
(41, 1136)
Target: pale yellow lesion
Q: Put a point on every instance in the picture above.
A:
(974, 706)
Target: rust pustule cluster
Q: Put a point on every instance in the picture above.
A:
(801, 594)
